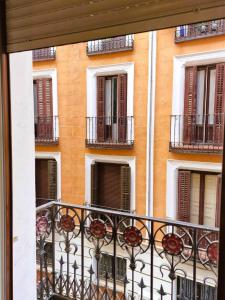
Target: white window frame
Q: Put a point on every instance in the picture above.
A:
(51, 73)
(92, 158)
(180, 62)
(109, 70)
(172, 176)
(57, 157)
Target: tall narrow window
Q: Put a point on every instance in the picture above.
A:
(111, 185)
(112, 108)
(43, 108)
(204, 104)
(46, 180)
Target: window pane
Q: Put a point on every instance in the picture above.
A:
(210, 200)
(108, 95)
(200, 95)
(212, 95)
(195, 189)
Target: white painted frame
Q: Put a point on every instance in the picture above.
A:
(107, 70)
(57, 157)
(51, 73)
(172, 176)
(179, 64)
(92, 158)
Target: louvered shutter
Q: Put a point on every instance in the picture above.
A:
(219, 103)
(122, 108)
(218, 200)
(190, 95)
(125, 177)
(101, 109)
(184, 195)
(52, 179)
(94, 183)
(44, 108)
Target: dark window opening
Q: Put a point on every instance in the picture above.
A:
(106, 265)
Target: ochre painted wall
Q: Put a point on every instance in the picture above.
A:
(166, 50)
(71, 63)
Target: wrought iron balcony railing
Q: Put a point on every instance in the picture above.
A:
(44, 54)
(199, 30)
(46, 130)
(110, 45)
(160, 256)
(109, 132)
(197, 133)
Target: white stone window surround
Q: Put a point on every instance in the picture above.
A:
(52, 73)
(179, 64)
(92, 158)
(57, 157)
(108, 70)
(172, 176)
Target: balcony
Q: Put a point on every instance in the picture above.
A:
(200, 30)
(44, 54)
(197, 133)
(110, 132)
(46, 130)
(110, 45)
(160, 256)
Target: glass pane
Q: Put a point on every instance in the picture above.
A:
(195, 188)
(200, 95)
(212, 95)
(108, 95)
(210, 200)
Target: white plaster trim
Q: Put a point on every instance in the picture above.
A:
(151, 123)
(92, 73)
(52, 73)
(172, 174)
(57, 157)
(91, 158)
(179, 64)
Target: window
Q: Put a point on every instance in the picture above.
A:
(203, 291)
(198, 197)
(106, 264)
(204, 103)
(110, 184)
(112, 108)
(43, 108)
(46, 180)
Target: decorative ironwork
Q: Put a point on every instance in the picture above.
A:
(196, 133)
(110, 45)
(199, 30)
(132, 236)
(111, 138)
(157, 253)
(172, 244)
(46, 130)
(44, 54)
(67, 223)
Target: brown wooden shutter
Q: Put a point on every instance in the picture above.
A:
(44, 108)
(190, 95)
(125, 177)
(122, 108)
(94, 183)
(184, 195)
(101, 109)
(218, 200)
(219, 103)
(52, 179)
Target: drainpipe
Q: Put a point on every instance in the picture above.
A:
(150, 122)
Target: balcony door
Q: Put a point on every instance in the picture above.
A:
(43, 108)
(112, 108)
(204, 104)
(110, 184)
(45, 180)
